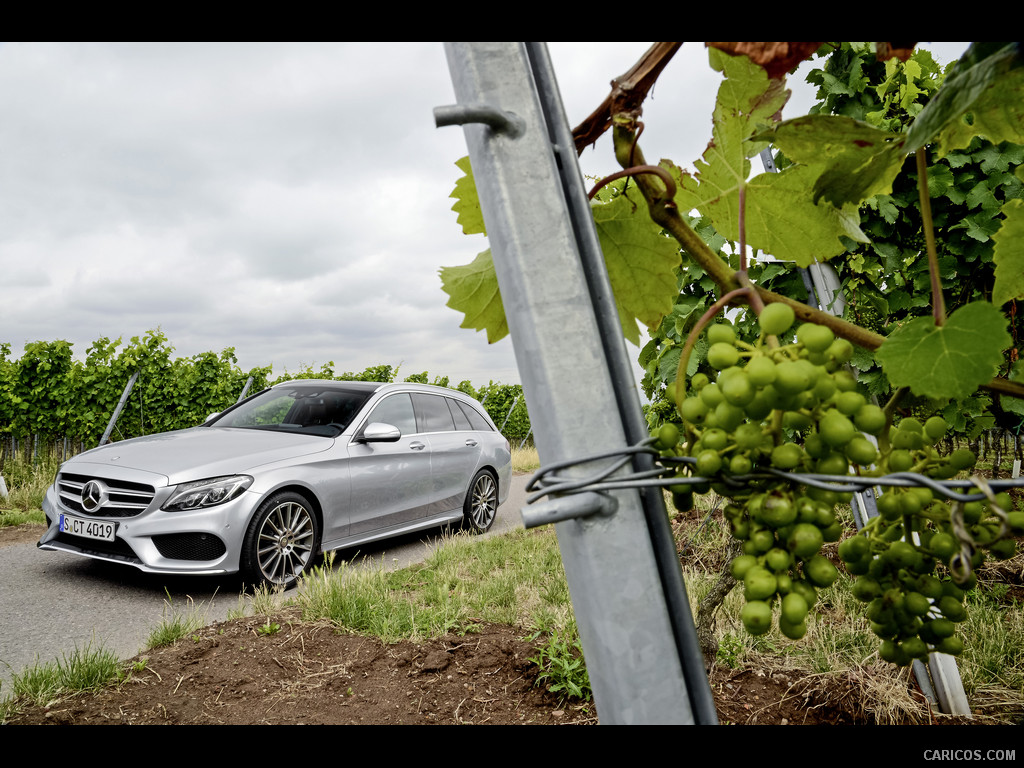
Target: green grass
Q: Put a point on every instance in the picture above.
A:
(26, 480)
(85, 669)
(13, 517)
(514, 579)
(176, 624)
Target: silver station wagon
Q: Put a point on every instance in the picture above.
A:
(263, 488)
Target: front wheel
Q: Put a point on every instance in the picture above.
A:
(281, 542)
(481, 502)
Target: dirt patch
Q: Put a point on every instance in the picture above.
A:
(247, 672)
(241, 673)
(21, 534)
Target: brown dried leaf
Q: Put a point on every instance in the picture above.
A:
(901, 51)
(775, 58)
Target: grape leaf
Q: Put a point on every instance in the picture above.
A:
(987, 83)
(641, 263)
(781, 219)
(950, 361)
(467, 203)
(1008, 255)
(855, 160)
(473, 289)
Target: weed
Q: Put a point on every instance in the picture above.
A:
(176, 625)
(562, 668)
(270, 628)
(730, 651)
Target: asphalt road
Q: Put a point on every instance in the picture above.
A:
(52, 603)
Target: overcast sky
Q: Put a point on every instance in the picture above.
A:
(287, 200)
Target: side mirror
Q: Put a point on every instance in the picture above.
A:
(211, 417)
(378, 432)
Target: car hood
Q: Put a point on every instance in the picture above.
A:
(201, 452)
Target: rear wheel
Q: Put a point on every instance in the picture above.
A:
(481, 502)
(282, 541)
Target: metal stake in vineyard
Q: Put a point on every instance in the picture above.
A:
(120, 406)
(624, 576)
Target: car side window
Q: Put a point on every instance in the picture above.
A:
(433, 414)
(477, 421)
(461, 421)
(397, 411)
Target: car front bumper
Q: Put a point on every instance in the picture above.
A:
(202, 541)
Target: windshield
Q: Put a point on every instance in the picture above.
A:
(311, 410)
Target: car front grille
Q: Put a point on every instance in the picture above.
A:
(122, 498)
(189, 546)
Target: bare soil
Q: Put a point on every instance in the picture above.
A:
(242, 673)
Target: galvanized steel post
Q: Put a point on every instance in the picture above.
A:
(629, 639)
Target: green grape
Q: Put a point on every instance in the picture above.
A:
(841, 351)
(759, 583)
(791, 378)
(722, 355)
(787, 456)
(805, 540)
(721, 333)
(820, 571)
(667, 437)
(935, 427)
(776, 319)
(836, 429)
(740, 565)
(816, 338)
(738, 390)
(870, 418)
(711, 395)
(850, 403)
(761, 371)
(693, 410)
(757, 617)
(861, 451)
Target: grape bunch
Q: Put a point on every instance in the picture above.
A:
(794, 407)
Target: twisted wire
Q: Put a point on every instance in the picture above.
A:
(547, 479)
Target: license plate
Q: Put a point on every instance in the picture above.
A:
(89, 529)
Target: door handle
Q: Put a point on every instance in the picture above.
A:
(417, 446)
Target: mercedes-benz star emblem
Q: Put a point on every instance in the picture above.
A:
(94, 495)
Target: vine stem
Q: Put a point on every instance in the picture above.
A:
(670, 183)
(691, 339)
(743, 234)
(938, 303)
(889, 410)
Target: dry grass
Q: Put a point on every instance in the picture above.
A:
(525, 459)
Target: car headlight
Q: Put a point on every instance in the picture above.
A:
(207, 493)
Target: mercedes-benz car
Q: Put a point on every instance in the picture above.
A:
(263, 488)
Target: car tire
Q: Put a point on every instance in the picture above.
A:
(481, 505)
(282, 541)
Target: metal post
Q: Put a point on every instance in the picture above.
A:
(509, 414)
(117, 410)
(618, 594)
(245, 390)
